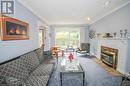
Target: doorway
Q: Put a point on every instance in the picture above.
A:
(41, 38)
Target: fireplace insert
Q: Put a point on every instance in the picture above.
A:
(109, 56)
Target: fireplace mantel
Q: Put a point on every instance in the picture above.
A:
(117, 38)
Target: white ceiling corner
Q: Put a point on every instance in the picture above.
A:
(33, 11)
(110, 12)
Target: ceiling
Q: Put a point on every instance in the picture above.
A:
(72, 11)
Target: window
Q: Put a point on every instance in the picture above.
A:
(67, 37)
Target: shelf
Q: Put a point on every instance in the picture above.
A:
(117, 38)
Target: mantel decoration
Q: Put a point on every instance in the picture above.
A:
(123, 33)
(107, 35)
(92, 34)
(114, 34)
(13, 29)
(71, 57)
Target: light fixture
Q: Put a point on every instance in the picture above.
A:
(88, 18)
(107, 3)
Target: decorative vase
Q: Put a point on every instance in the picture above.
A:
(125, 33)
(114, 34)
(121, 33)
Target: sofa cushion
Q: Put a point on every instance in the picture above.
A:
(43, 70)
(40, 55)
(31, 61)
(15, 68)
(50, 61)
(11, 81)
(37, 81)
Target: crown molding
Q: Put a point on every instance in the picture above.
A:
(110, 12)
(34, 12)
(70, 25)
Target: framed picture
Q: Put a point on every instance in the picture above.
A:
(13, 29)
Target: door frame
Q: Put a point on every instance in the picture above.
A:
(43, 40)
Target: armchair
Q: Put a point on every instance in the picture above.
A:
(84, 48)
(125, 80)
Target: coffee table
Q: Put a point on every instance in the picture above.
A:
(72, 71)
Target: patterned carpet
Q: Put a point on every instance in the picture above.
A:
(95, 75)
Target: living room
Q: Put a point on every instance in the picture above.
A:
(35, 26)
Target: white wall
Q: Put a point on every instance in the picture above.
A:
(52, 38)
(12, 49)
(128, 60)
(118, 20)
(47, 39)
(93, 46)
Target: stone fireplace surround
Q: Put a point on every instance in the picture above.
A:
(120, 44)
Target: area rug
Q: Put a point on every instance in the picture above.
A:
(95, 75)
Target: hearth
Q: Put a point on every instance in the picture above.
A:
(109, 56)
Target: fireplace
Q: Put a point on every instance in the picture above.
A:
(109, 56)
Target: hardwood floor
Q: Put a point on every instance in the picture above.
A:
(107, 68)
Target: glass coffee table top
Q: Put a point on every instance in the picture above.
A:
(73, 66)
(71, 73)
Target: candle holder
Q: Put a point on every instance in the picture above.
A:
(114, 34)
(125, 33)
(121, 33)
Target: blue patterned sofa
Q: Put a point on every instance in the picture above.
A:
(30, 69)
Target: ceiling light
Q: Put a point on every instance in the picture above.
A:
(88, 18)
(107, 3)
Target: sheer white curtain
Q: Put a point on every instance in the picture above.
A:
(52, 37)
(84, 35)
